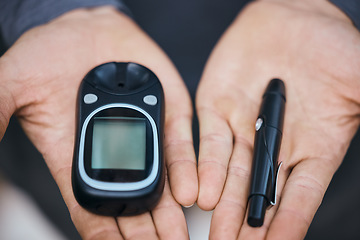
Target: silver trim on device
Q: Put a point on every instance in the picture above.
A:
(101, 185)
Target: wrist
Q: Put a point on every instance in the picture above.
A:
(105, 26)
(321, 7)
(88, 14)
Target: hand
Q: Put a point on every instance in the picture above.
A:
(40, 75)
(314, 48)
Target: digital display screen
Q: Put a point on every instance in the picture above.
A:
(119, 143)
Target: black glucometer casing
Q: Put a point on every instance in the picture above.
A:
(118, 92)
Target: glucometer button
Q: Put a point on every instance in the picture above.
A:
(90, 98)
(150, 100)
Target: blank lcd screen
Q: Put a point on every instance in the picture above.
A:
(119, 143)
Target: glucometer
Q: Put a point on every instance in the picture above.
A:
(118, 167)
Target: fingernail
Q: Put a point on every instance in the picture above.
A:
(189, 206)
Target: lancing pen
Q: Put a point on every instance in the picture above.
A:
(265, 168)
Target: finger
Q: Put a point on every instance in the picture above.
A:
(137, 227)
(301, 197)
(89, 225)
(180, 158)
(230, 211)
(216, 142)
(169, 218)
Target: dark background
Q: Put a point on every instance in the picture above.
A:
(187, 30)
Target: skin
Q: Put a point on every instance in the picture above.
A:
(311, 45)
(314, 48)
(40, 75)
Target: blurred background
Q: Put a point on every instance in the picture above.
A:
(31, 206)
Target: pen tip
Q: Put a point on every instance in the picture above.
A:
(257, 208)
(255, 222)
(276, 86)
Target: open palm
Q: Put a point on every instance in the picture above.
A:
(315, 50)
(42, 72)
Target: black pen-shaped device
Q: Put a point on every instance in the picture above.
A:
(269, 126)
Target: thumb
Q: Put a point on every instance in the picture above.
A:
(7, 103)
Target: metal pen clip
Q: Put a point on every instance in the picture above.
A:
(273, 199)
